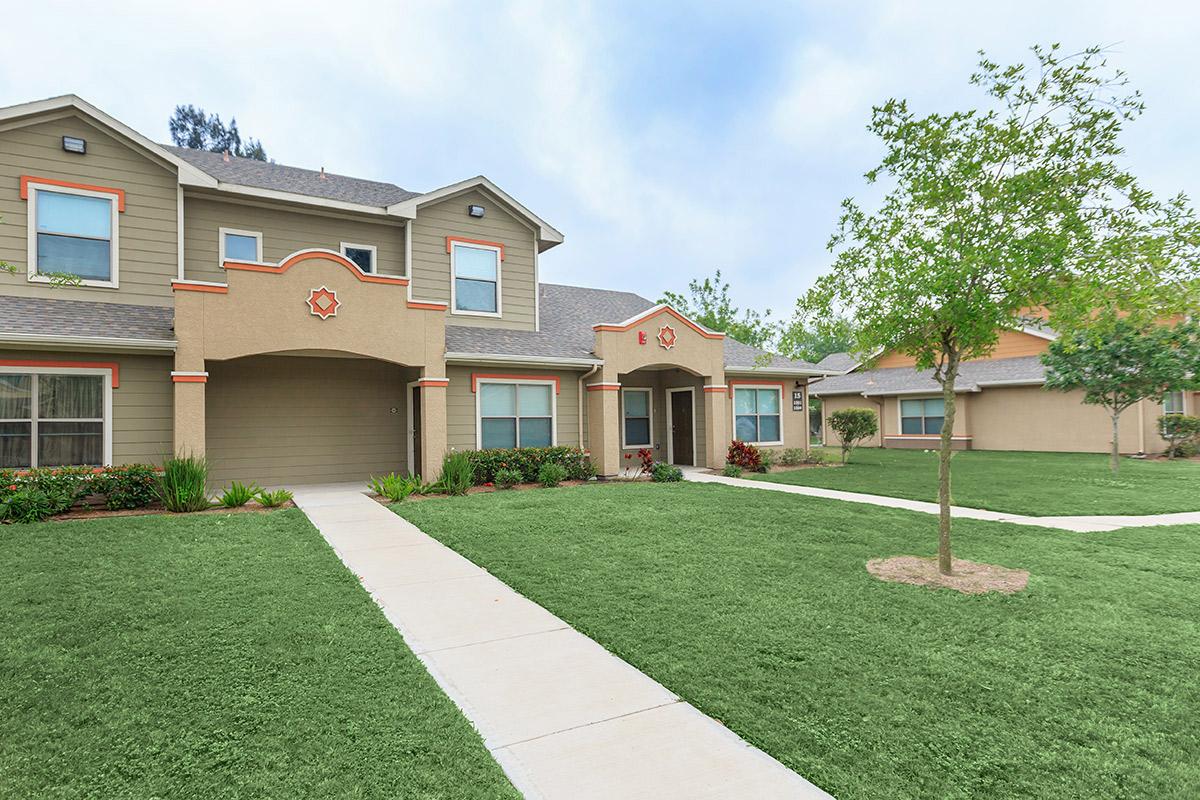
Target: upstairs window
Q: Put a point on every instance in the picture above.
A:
(240, 245)
(52, 420)
(363, 255)
(923, 416)
(73, 231)
(476, 286)
(516, 414)
(756, 415)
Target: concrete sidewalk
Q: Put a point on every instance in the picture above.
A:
(1078, 524)
(564, 717)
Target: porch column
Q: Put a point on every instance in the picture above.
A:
(189, 411)
(433, 423)
(604, 425)
(716, 421)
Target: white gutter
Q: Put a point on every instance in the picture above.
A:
(935, 389)
(1012, 382)
(775, 371)
(89, 342)
(583, 378)
(533, 361)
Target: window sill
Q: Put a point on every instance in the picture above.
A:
(83, 283)
(491, 314)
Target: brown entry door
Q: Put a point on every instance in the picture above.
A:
(415, 467)
(681, 428)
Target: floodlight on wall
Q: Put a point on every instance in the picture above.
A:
(73, 144)
(475, 211)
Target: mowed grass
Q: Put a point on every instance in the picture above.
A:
(213, 656)
(1039, 484)
(756, 607)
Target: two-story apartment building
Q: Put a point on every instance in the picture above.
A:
(1002, 403)
(298, 326)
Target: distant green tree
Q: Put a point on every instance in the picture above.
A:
(192, 127)
(812, 342)
(853, 426)
(1117, 362)
(708, 303)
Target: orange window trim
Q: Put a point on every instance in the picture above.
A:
(452, 240)
(668, 310)
(28, 179)
(183, 286)
(475, 376)
(189, 378)
(296, 258)
(111, 366)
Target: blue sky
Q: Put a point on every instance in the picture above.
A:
(666, 140)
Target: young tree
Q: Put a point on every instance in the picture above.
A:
(192, 127)
(989, 213)
(853, 426)
(709, 304)
(1182, 433)
(1117, 362)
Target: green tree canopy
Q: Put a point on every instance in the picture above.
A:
(1117, 362)
(814, 342)
(192, 127)
(708, 303)
(988, 213)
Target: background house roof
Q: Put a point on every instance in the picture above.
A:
(973, 376)
(838, 362)
(281, 178)
(30, 316)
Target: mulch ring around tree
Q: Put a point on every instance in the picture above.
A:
(968, 577)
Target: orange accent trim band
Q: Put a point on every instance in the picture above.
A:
(428, 306)
(715, 389)
(189, 378)
(603, 387)
(425, 383)
(296, 258)
(751, 382)
(668, 310)
(28, 179)
(178, 286)
(112, 366)
(475, 376)
(450, 240)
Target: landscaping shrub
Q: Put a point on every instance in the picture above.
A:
(128, 486)
(507, 478)
(551, 474)
(732, 471)
(26, 504)
(766, 460)
(395, 487)
(1182, 432)
(238, 494)
(273, 499)
(852, 426)
(746, 456)
(183, 486)
(666, 473)
(458, 473)
(793, 456)
(62, 487)
(528, 460)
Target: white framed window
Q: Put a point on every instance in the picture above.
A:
(1173, 403)
(637, 417)
(363, 255)
(757, 415)
(239, 245)
(922, 415)
(475, 284)
(55, 417)
(515, 414)
(73, 231)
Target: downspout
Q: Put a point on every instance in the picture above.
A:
(583, 378)
(1142, 426)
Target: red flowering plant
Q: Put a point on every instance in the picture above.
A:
(746, 456)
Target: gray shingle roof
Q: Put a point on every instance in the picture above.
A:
(567, 316)
(973, 375)
(838, 362)
(54, 317)
(265, 175)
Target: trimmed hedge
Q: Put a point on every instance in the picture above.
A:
(35, 494)
(528, 461)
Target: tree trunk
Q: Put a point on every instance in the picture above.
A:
(947, 450)
(1116, 448)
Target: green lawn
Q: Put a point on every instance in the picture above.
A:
(213, 656)
(1041, 484)
(756, 607)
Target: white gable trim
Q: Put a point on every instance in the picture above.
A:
(547, 234)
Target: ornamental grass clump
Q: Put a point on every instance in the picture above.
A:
(458, 473)
(183, 486)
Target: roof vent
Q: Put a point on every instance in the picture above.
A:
(226, 157)
(322, 173)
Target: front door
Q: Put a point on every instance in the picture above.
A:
(681, 428)
(415, 406)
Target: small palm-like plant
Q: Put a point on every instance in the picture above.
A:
(273, 499)
(238, 494)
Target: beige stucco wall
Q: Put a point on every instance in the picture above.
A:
(284, 231)
(431, 262)
(290, 420)
(659, 381)
(146, 244)
(461, 422)
(141, 405)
